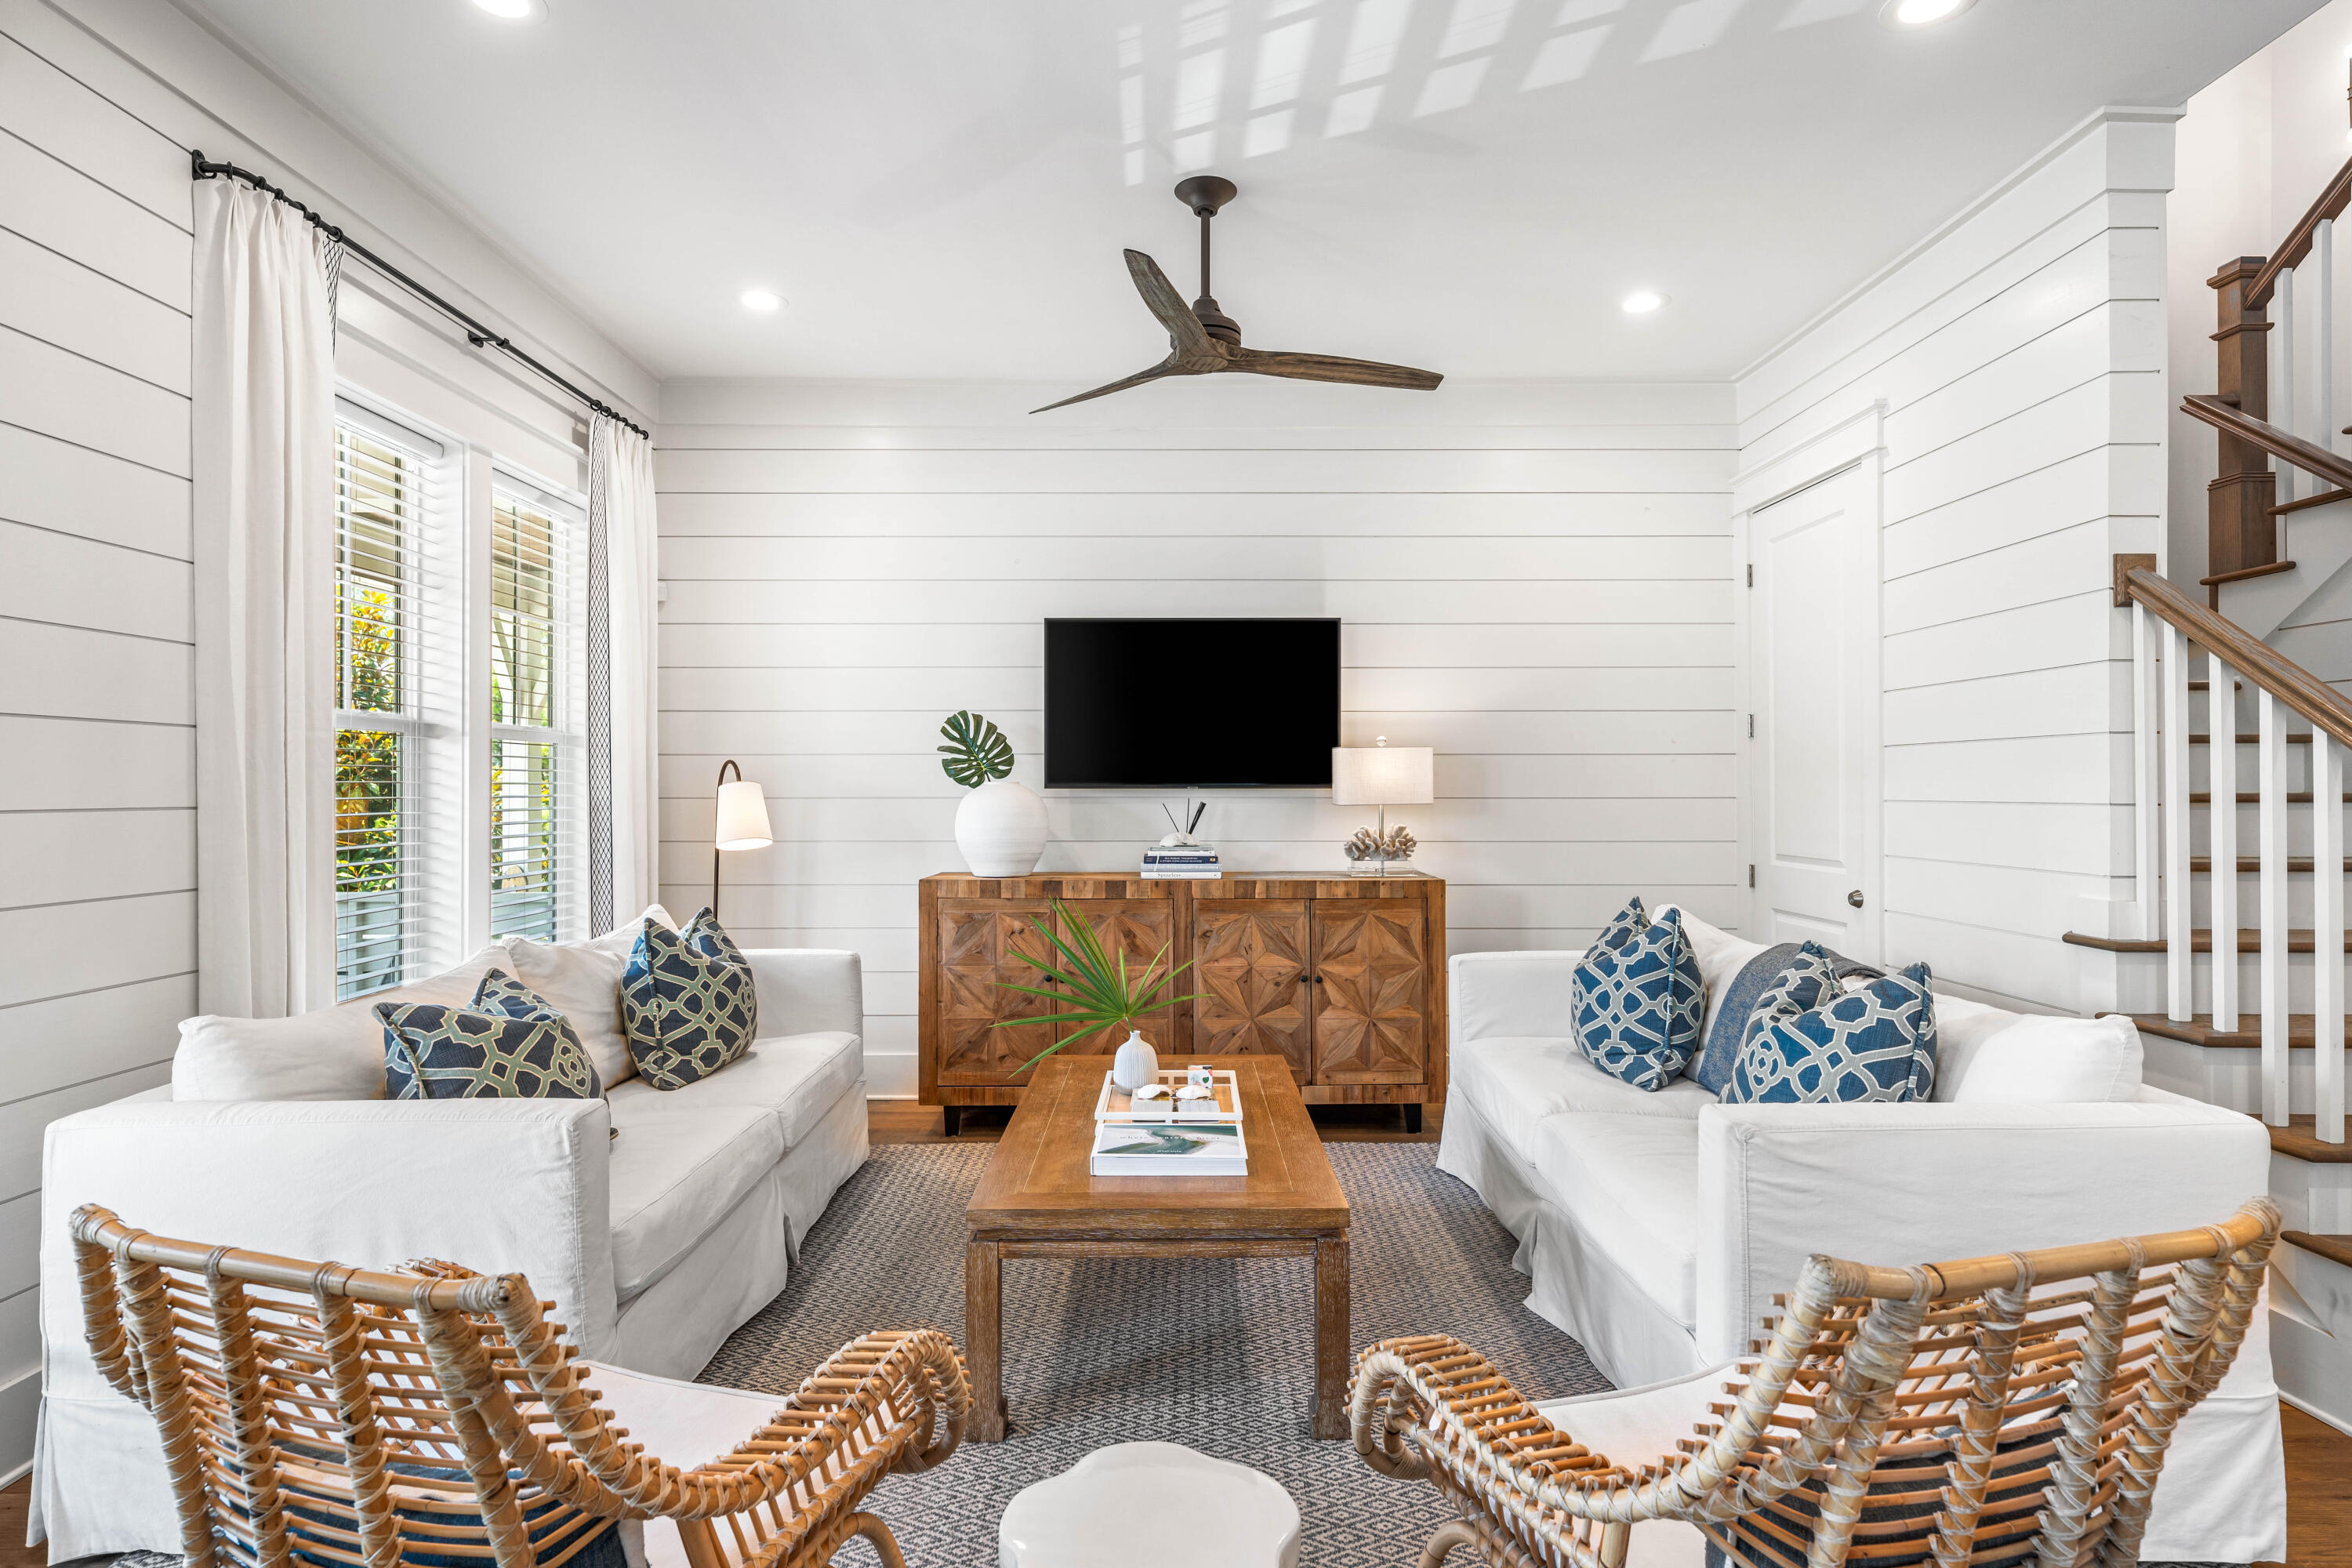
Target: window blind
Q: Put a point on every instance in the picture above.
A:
(537, 702)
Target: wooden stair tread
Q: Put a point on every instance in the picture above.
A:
(2200, 1030)
(2299, 1138)
(2243, 573)
(2249, 738)
(2254, 863)
(2253, 797)
(2249, 939)
(2334, 1249)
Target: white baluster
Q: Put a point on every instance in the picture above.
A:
(2282, 373)
(2323, 333)
(2146, 777)
(2179, 909)
(2327, 930)
(2222, 835)
(2271, 770)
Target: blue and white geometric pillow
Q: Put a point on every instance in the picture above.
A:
(1639, 999)
(687, 1002)
(1819, 1045)
(508, 1044)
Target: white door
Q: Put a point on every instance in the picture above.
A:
(1814, 684)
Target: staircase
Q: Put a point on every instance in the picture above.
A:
(2233, 968)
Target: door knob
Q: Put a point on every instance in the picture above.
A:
(1855, 898)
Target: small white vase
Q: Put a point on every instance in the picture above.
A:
(1136, 1064)
(1001, 828)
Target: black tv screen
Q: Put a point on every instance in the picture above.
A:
(1165, 704)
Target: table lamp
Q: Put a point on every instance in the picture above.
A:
(1382, 775)
(742, 822)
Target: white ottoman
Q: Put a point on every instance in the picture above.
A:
(1150, 1505)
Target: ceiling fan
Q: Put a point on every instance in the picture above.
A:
(1203, 341)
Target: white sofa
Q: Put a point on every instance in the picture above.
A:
(654, 1245)
(1656, 1227)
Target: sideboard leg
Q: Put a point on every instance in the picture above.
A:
(952, 1118)
(1413, 1116)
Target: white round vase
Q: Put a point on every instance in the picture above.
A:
(1001, 828)
(1136, 1064)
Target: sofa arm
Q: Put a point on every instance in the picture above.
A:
(1897, 1184)
(499, 1185)
(1521, 996)
(808, 990)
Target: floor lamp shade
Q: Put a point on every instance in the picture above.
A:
(1383, 775)
(744, 816)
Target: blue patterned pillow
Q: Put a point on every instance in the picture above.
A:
(1810, 1043)
(687, 1001)
(1720, 1053)
(507, 1043)
(1639, 999)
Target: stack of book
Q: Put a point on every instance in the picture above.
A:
(1164, 861)
(1169, 1137)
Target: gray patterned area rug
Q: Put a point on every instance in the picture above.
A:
(1214, 1354)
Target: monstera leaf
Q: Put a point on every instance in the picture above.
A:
(978, 751)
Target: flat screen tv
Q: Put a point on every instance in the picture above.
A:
(1168, 704)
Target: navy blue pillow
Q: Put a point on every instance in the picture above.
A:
(1639, 999)
(1811, 1043)
(508, 1044)
(1720, 1054)
(688, 1001)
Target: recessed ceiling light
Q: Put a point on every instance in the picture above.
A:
(1642, 303)
(510, 10)
(762, 299)
(1921, 12)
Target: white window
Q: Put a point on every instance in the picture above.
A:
(537, 561)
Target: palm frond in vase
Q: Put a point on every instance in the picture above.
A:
(1091, 984)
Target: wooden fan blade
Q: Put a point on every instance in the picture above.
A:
(1184, 328)
(1331, 367)
(1165, 367)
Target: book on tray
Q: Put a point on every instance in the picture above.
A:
(1177, 860)
(1183, 1148)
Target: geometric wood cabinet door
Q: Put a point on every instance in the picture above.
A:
(1249, 965)
(1371, 991)
(1343, 977)
(977, 943)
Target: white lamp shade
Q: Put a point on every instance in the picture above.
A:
(1383, 775)
(744, 816)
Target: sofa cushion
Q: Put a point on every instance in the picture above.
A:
(1987, 1055)
(507, 1043)
(678, 1167)
(1516, 1084)
(333, 1053)
(689, 1001)
(1631, 1184)
(794, 1077)
(1811, 1042)
(1639, 1000)
(1742, 1001)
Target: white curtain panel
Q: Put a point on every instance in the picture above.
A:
(624, 777)
(264, 425)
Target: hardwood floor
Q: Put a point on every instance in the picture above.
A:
(2319, 1457)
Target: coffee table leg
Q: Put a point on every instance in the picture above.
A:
(984, 1342)
(1330, 1336)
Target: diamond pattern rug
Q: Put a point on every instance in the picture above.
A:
(1214, 1354)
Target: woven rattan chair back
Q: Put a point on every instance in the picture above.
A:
(1973, 1413)
(372, 1417)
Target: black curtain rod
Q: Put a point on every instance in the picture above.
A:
(481, 336)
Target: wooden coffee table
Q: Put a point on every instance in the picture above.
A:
(1036, 1199)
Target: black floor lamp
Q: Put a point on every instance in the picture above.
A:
(742, 822)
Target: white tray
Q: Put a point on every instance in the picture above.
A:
(1114, 1106)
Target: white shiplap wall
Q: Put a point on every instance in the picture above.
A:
(1535, 579)
(2019, 354)
(98, 107)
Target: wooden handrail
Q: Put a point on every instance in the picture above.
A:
(2331, 204)
(2305, 693)
(2232, 421)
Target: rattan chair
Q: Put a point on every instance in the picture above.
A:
(1970, 1412)
(374, 1418)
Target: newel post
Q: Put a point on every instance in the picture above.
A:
(2239, 529)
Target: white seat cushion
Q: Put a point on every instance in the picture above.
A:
(1636, 1427)
(1631, 1184)
(679, 1166)
(1516, 1084)
(681, 1424)
(795, 1077)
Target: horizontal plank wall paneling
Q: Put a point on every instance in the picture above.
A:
(1535, 579)
(2019, 358)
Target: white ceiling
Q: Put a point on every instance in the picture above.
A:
(942, 188)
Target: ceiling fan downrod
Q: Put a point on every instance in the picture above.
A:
(1204, 193)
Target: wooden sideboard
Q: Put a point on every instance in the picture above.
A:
(1343, 977)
